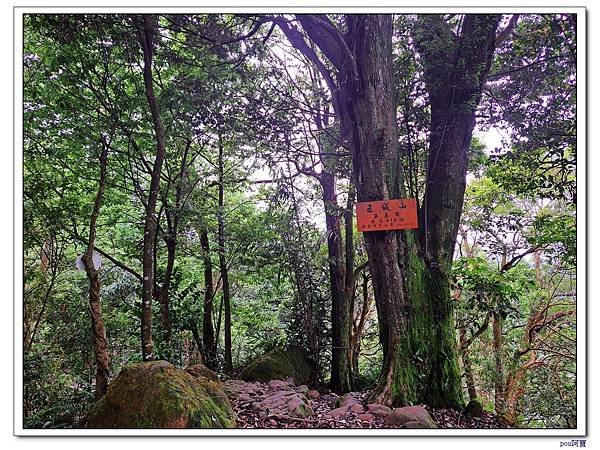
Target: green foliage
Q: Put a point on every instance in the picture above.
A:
(485, 288)
(257, 100)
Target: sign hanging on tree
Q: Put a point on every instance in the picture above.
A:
(95, 260)
(398, 214)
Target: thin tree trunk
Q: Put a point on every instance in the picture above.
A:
(146, 33)
(29, 336)
(171, 241)
(208, 333)
(219, 320)
(498, 364)
(163, 294)
(341, 376)
(223, 263)
(95, 307)
(468, 367)
(350, 281)
(359, 327)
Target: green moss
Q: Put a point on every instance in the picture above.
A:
(278, 364)
(432, 334)
(158, 395)
(201, 371)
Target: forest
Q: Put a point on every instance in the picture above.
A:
(191, 251)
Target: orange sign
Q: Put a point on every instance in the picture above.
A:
(396, 214)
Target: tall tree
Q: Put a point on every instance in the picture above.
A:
(455, 69)
(222, 257)
(414, 306)
(146, 31)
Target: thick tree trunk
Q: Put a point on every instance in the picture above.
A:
(432, 332)
(223, 263)
(455, 71)
(146, 33)
(341, 376)
(98, 329)
(368, 115)
(208, 332)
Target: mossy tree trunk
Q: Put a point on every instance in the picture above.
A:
(455, 70)
(431, 333)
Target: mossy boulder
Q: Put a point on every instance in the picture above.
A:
(474, 408)
(156, 394)
(278, 364)
(201, 371)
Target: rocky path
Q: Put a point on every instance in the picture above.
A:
(282, 404)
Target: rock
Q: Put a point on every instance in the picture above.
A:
(330, 398)
(303, 389)
(279, 384)
(244, 397)
(278, 364)
(414, 425)
(313, 394)
(156, 394)
(366, 417)
(233, 388)
(357, 408)
(338, 412)
(201, 371)
(401, 416)
(378, 410)
(348, 400)
(284, 399)
(298, 408)
(474, 408)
